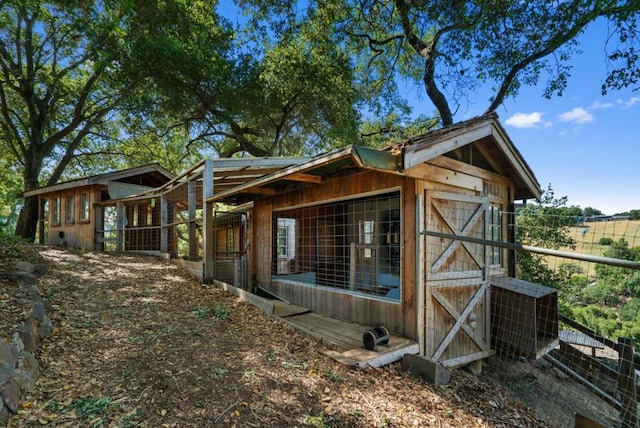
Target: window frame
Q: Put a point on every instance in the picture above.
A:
(360, 221)
(56, 211)
(85, 208)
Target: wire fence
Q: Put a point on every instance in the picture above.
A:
(566, 330)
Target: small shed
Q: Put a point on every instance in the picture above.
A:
(83, 212)
(380, 237)
(524, 317)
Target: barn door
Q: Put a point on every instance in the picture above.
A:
(457, 297)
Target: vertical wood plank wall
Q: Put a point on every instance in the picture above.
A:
(79, 233)
(396, 316)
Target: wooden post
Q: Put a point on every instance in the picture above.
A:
(627, 383)
(207, 222)
(120, 224)
(191, 202)
(164, 229)
(419, 265)
(98, 239)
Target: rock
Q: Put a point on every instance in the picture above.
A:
(17, 341)
(26, 277)
(11, 395)
(38, 313)
(4, 414)
(32, 293)
(23, 266)
(8, 360)
(29, 336)
(27, 372)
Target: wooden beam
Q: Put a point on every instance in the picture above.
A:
(164, 220)
(208, 244)
(120, 225)
(306, 178)
(420, 153)
(425, 171)
(455, 165)
(192, 203)
(260, 191)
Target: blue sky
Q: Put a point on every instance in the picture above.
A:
(587, 146)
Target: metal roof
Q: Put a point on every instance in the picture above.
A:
(313, 171)
(151, 175)
(227, 174)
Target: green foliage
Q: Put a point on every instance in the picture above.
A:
(10, 244)
(545, 224)
(630, 311)
(605, 241)
(86, 408)
(454, 49)
(218, 372)
(217, 311)
(589, 212)
(332, 375)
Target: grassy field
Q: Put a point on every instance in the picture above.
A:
(588, 235)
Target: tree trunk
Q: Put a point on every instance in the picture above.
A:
(28, 219)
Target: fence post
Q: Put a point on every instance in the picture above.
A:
(627, 383)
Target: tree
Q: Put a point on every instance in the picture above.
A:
(545, 224)
(55, 88)
(589, 212)
(452, 48)
(246, 91)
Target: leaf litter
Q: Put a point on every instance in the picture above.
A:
(138, 342)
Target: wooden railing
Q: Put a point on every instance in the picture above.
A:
(617, 387)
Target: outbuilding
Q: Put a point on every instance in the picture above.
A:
(386, 237)
(82, 213)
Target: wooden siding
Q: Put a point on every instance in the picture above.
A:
(77, 233)
(396, 316)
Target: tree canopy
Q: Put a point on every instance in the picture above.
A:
(92, 85)
(454, 48)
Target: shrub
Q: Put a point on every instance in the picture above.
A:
(605, 241)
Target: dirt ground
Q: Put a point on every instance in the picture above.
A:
(138, 342)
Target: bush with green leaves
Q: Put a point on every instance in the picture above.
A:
(605, 241)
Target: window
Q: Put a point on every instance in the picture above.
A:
(366, 235)
(150, 215)
(134, 216)
(84, 206)
(495, 234)
(69, 214)
(230, 239)
(350, 246)
(282, 241)
(55, 211)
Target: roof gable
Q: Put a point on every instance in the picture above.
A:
(481, 142)
(487, 143)
(151, 175)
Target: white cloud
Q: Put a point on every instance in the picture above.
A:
(632, 101)
(578, 115)
(597, 105)
(525, 120)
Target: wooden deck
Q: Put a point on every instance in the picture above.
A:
(344, 338)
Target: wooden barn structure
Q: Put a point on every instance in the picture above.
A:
(360, 235)
(369, 236)
(83, 213)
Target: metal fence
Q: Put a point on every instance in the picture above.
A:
(564, 300)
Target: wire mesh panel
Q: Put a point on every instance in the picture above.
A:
(230, 249)
(566, 328)
(352, 246)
